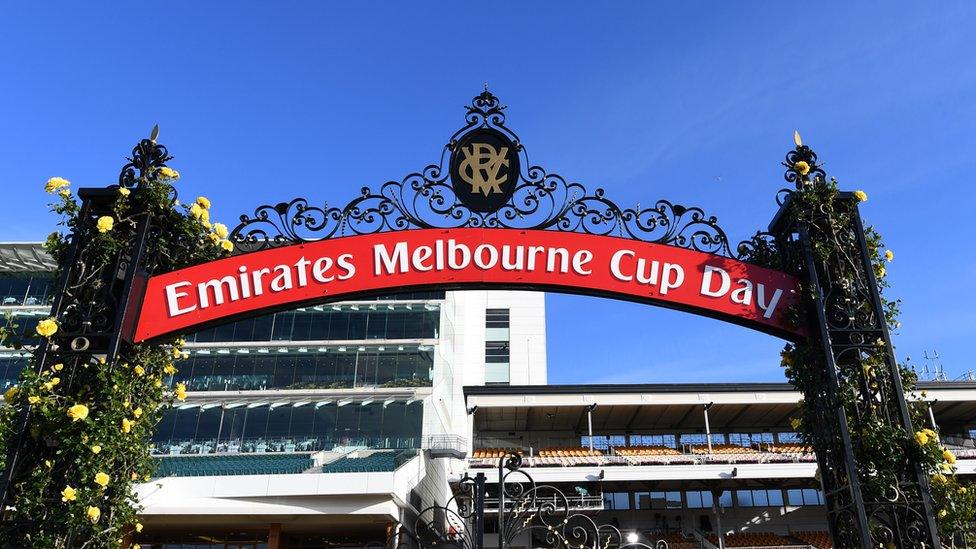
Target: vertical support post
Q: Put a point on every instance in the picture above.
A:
(502, 530)
(856, 381)
(274, 536)
(589, 424)
(716, 509)
(479, 510)
(708, 428)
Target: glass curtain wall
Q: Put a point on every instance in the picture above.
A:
(289, 428)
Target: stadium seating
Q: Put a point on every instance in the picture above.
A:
(486, 453)
(646, 451)
(674, 541)
(232, 464)
(820, 540)
(375, 462)
(652, 455)
(754, 539)
(723, 449)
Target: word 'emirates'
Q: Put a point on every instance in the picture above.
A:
(446, 256)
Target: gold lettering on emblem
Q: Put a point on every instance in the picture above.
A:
(480, 168)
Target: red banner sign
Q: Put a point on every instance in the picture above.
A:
(384, 263)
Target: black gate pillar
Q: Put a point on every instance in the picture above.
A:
(853, 389)
(93, 307)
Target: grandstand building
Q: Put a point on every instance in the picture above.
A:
(333, 425)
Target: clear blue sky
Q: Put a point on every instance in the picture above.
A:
(261, 102)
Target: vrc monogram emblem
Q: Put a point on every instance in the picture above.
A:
(481, 166)
(484, 169)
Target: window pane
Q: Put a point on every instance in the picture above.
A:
(794, 497)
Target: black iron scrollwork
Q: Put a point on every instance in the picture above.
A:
(523, 511)
(148, 157)
(426, 199)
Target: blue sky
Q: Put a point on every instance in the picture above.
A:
(261, 102)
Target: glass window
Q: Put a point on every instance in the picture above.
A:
(496, 318)
(744, 498)
(699, 499)
(616, 500)
(725, 499)
(794, 497)
(653, 440)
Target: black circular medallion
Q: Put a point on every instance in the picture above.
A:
(484, 169)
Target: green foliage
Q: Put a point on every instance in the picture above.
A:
(90, 421)
(882, 447)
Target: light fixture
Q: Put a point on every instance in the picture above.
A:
(223, 351)
(342, 349)
(323, 349)
(263, 350)
(361, 348)
(203, 352)
(632, 537)
(354, 307)
(336, 308)
(283, 349)
(318, 308)
(302, 350)
(244, 351)
(381, 349)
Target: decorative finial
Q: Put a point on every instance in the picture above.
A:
(154, 133)
(796, 138)
(486, 85)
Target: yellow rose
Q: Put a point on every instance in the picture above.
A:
(105, 223)
(889, 256)
(921, 438)
(10, 394)
(861, 196)
(55, 183)
(33, 399)
(939, 479)
(196, 211)
(64, 193)
(138, 527)
(962, 490)
(168, 173)
(126, 425)
(204, 202)
(50, 384)
(57, 367)
(214, 238)
(93, 513)
(180, 391)
(169, 369)
(47, 327)
(158, 383)
(796, 423)
(949, 457)
(96, 449)
(942, 513)
(124, 192)
(220, 230)
(139, 370)
(802, 167)
(227, 245)
(102, 479)
(69, 494)
(78, 412)
(137, 412)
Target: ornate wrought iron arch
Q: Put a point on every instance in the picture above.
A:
(541, 200)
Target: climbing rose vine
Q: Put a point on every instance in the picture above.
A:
(91, 421)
